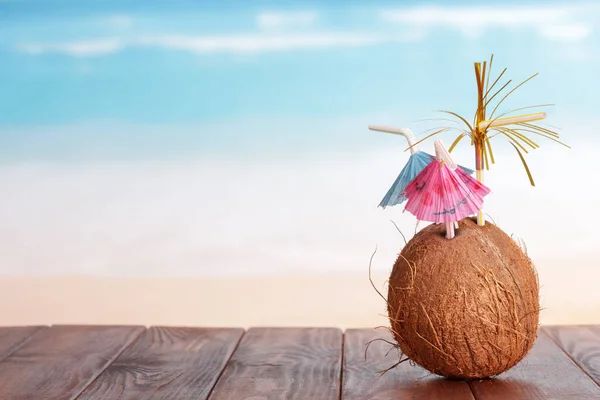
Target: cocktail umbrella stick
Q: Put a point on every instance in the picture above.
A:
(443, 193)
(442, 154)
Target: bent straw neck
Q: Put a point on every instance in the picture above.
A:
(410, 138)
(407, 133)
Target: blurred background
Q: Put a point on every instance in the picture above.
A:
(209, 163)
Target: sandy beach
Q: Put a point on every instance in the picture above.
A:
(325, 300)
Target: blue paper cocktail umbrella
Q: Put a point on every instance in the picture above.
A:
(417, 161)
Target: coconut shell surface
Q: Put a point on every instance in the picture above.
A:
(466, 307)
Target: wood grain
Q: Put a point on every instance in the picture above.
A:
(167, 363)
(59, 362)
(582, 343)
(362, 379)
(546, 373)
(11, 338)
(283, 363)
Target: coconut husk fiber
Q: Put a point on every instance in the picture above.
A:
(467, 307)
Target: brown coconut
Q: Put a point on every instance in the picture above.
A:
(466, 307)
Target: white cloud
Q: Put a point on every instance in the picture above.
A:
(558, 23)
(552, 22)
(257, 43)
(566, 32)
(265, 43)
(279, 20)
(82, 48)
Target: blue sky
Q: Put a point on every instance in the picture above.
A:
(112, 79)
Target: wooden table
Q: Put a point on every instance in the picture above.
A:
(130, 362)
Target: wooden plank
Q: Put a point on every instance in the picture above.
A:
(582, 344)
(59, 362)
(545, 373)
(11, 338)
(283, 363)
(167, 363)
(362, 379)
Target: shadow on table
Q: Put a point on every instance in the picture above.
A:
(434, 388)
(509, 388)
(427, 387)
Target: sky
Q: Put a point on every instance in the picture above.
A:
(127, 80)
(201, 137)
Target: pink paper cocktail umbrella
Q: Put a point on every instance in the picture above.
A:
(444, 193)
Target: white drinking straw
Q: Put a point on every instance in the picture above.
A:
(407, 133)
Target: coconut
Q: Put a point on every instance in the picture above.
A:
(467, 307)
